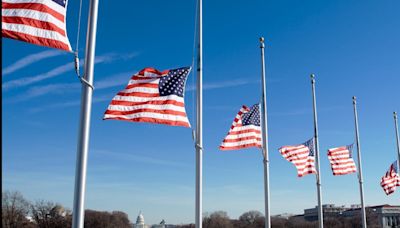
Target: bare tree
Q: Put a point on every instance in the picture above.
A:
(104, 219)
(47, 214)
(251, 219)
(218, 219)
(120, 219)
(300, 222)
(332, 222)
(14, 211)
(277, 222)
(186, 226)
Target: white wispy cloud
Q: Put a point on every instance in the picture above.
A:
(114, 80)
(38, 91)
(61, 70)
(230, 188)
(222, 84)
(40, 77)
(30, 59)
(52, 88)
(70, 103)
(139, 158)
(61, 88)
(298, 112)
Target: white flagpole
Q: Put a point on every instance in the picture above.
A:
(84, 126)
(316, 144)
(264, 128)
(397, 139)
(199, 121)
(360, 176)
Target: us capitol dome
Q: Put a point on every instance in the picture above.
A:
(141, 224)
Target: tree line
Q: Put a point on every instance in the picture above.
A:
(255, 219)
(17, 212)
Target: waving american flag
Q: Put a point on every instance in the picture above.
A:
(302, 156)
(245, 130)
(152, 96)
(391, 180)
(40, 22)
(341, 160)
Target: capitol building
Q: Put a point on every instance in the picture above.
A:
(141, 224)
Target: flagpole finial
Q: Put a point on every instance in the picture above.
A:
(312, 78)
(395, 115)
(262, 42)
(354, 99)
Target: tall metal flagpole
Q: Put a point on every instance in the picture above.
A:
(397, 139)
(264, 136)
(320, 213)
(360, 176)
(84, 125)
(199, 120)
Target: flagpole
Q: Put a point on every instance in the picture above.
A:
(397, 139)
(264, 136)
(199, 120)
(360, 176)
(78, 212)
(320, 213)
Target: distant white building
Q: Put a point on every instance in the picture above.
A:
(284, 215)
(388, 215)
(140, 222)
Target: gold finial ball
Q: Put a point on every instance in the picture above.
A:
(262, 39)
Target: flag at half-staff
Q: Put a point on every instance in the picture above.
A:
(341, 160)
(245, 130)
(40, 22)
(391, 180)
(152, 96)
(302, 156)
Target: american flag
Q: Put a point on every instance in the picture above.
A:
(40, 22)
(341, 160)
(391, 180)
(302, 156)
(245, 130)
(152, 96)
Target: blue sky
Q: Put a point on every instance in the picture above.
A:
(351, 46)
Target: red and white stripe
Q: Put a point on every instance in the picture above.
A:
(341, 162)
(240, 136)
(140, 101)
(391, 180)
(40, 22)
(299, 155)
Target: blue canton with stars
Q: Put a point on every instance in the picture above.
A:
(60, 2)
(252, 117)
(350, 149)
(310, 145)
(395, 166)
(174, 82)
